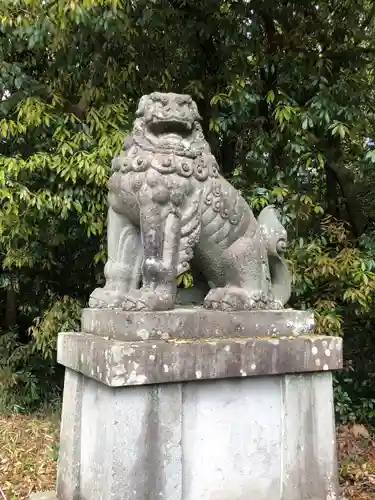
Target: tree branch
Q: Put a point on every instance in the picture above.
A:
(369, 18)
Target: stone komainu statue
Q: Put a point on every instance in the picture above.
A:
(170, 209)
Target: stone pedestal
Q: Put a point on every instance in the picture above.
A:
(198, 405)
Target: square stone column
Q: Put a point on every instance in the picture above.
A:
(192, 404)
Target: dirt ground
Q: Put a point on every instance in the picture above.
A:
(28, 454)
(356, 452)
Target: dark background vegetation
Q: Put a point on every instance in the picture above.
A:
(286, 92)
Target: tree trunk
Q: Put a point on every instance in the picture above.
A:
(331, 193)
(351, 195)
(11, 307)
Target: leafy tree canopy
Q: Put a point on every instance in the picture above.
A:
(285, 90)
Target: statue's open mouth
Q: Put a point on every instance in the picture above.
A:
(170, 127)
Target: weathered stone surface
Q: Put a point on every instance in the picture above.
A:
(118, 363)
(310, 466)
(192, 323)
(169, 208)
(266, 438)
(68, 478)
(131, 443)
(259, 439)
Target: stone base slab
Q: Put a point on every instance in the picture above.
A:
(266, 438)
(118, 363)
(192, 323)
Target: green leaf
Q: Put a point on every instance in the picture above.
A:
(270, 97)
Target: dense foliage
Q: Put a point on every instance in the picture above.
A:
(285, 90)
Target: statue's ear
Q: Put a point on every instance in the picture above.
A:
(196, 114)
(141, 106)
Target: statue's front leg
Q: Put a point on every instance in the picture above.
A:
(160, 232)
(123, 267)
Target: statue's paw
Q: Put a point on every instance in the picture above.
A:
(214, 298)
(137, 300)
(275, 305)
(148, 300)
(106, 298)
(235, 299)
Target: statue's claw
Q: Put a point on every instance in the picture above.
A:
(236, 299)
(146, 299)
(106, 298)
